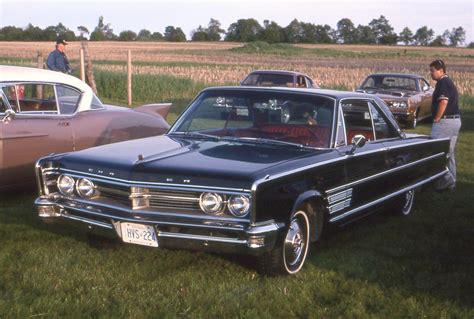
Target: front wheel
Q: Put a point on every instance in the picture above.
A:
(289, 255)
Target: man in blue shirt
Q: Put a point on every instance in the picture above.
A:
(446, 118)
(57, 60)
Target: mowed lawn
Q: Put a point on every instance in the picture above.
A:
(384, 266)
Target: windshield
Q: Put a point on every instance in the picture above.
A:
(389, 83)
(261, 79)
(251, 115)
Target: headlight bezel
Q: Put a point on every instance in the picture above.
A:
(91, 190)
(219, 209)
(246, 205)
(72, 187)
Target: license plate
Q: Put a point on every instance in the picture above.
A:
(139, 234)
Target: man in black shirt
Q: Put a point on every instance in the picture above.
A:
(446, 118)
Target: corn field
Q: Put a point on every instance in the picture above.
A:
(331, 66)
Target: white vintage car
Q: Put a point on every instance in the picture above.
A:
(44, 112)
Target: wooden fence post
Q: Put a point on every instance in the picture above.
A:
(129, 77)
(40, 63)
(89, 70)
(40, 60)
(82, 67)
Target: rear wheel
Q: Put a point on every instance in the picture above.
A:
(290, 253)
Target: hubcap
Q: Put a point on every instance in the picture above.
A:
(294, 243)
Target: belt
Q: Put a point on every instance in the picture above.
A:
(451, 116)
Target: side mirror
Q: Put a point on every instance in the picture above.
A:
(9, 115)
(358, 141)
(426, 88)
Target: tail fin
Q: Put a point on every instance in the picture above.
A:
(156, 108)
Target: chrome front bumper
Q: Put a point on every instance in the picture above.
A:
(218, 236)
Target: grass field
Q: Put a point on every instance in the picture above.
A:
(381, 267)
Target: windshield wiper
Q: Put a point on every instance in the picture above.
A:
(260, 140)
(196, 135)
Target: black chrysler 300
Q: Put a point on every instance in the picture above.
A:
(259, 171)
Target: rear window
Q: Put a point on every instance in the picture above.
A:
(257, 79)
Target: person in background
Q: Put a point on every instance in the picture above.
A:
(446, 119)
(57, 60)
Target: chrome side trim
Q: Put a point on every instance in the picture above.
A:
(202, 237)
(384, 172)
(386, 197)
(86, 220)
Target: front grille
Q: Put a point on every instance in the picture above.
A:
(117, 193)
(151, 198)
(171, 199)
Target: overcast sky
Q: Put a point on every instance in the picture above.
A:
(188, 14)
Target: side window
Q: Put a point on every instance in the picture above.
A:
(309, 82)
(382, 128)
(424, 86)
(3, 105)
(10, 92)
(36, 98)
(68, 99)
(357, 118)
(96, 103)
(301, 81)
(341, 131)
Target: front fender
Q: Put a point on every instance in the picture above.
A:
(304, 197)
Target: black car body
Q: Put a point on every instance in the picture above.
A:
(407, 95)
(278, 78)
(247, 170)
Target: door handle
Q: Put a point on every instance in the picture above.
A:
(63, 123)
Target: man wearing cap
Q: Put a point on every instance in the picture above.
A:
(446, 118)
(57, 60)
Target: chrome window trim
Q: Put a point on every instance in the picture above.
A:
(372, 119)
(386, 172)
(376, 105)
(389, 196)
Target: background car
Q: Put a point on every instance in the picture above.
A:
(44, 112)
(259, 171)
(279, 79)
(407, 95)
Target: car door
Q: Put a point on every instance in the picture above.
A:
(38, 129)
(362, 167)
(408, 160)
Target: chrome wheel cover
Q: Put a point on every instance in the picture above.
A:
(296, 243)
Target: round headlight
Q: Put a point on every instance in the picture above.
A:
(85, 188)
(239, 205)
(211, 203)
(66, 185)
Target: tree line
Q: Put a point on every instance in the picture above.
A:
(378, 31)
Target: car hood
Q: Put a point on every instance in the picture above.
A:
(391, 94)
(165, 159)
